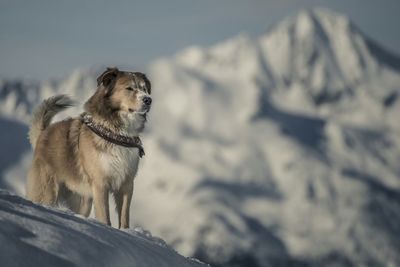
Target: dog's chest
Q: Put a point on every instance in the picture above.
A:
(119, 164)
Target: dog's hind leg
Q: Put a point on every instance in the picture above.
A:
(85, 206)
(41, 186)
(74, 201)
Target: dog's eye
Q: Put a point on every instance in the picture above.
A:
(129, 88)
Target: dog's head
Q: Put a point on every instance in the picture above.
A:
(127, 94)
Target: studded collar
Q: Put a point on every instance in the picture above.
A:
(110, 136)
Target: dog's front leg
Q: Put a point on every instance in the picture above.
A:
(101, 209)
(123, 198)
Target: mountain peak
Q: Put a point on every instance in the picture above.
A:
(323, 14)
(336, 31)
(321, 49)
(316, 21)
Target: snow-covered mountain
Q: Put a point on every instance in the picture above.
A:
(33, 235)
(281, 150)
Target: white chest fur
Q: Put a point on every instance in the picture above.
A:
(119, 164)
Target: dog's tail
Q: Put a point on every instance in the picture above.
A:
(45, 112)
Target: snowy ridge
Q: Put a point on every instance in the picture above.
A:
(32, 235)
(273, 151)
(18, 98)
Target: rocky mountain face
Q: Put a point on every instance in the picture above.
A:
(281, 150)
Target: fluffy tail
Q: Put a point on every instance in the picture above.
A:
(45, 112)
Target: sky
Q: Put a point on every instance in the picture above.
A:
(46, 39)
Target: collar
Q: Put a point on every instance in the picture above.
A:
(110, 136)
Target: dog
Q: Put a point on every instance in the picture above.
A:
(80, 161)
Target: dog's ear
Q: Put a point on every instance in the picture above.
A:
(108, 79)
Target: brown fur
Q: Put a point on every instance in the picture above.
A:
(74, 165)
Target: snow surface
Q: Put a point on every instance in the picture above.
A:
(32, 235)
(270, 151)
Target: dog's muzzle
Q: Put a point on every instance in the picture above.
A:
(147, 101)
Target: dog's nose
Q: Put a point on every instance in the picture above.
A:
(147, 100)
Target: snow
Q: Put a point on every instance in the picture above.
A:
(33, 235)
(269, 151)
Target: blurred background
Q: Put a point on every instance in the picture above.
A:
(273, 139)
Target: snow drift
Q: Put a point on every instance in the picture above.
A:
(32, 235)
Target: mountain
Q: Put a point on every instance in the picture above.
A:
(33, 235)
(18, 98)
(280, 150)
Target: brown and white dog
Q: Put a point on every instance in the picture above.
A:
(81, 160)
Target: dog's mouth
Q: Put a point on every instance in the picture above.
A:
(141, 113)
(138, 112)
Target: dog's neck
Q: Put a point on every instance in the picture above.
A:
(102, 112)
(110, 136)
